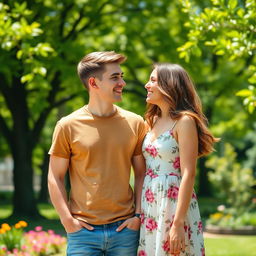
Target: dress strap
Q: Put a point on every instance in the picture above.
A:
(174, 124)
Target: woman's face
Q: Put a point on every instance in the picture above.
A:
(154, 96)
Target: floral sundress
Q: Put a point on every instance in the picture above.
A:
(159, 200)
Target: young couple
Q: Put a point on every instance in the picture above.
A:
(100, 142)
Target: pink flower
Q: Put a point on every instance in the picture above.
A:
(38, 228)
(51, 232)
(166, 246)
(171, 133)
(176, 163)
(142, 253)
(151, 150)
(173, 192)
(151, 224)
(149, 196)
(174, 174)
(203, 251)
(188, 229)
(151, 173)
(200, 226)
(142, 218)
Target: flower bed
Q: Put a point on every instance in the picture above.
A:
(225, 221)
(15, 242)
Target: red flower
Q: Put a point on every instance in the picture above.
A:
(173, 192)
(200, 226)
(188, 229)
(166, 246)
(174, 174)
(151, 224)
(142, 253)
(142, 218)
(194, 195)
(176, 163)
(151, 173)
(149, 196)
(151, 150)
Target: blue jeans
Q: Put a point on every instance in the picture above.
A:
(103, 240)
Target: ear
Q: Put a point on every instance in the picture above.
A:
(92, 82)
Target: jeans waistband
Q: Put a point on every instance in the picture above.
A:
(113, 224)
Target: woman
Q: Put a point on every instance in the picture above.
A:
(178, 135)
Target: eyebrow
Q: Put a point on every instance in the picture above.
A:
(117, 74)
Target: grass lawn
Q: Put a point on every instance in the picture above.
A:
(231, 246)
(51, 220)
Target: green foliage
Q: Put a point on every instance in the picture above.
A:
(228, 31)
(250, 97)
(232, 182)
(17, 33)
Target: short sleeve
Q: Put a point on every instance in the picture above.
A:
(60, 143)
(141, 134)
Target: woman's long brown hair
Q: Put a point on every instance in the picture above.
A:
(179, 91)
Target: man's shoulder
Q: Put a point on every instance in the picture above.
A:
(128, 114)
(72, 117)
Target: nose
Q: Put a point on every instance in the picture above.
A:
(122, 82)
(147, 85)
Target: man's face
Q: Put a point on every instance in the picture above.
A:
(110, 87)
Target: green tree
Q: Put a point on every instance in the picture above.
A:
(22, 68)
(39, 52)
(228, 29)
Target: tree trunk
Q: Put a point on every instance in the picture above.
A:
(24, 198)
(21, 144)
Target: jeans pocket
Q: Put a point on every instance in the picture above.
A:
(76, 232)
(133, 230)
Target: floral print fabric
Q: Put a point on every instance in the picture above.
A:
(159, 200)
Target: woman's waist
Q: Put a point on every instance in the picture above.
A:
(155, 173)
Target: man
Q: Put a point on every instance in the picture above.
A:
(98, 143)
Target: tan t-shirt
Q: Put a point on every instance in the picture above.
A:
(100, 150)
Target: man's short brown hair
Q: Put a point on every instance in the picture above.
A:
(93, 64)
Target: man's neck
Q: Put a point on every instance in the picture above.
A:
(101, 108)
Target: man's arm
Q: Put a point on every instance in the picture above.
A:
(57, 170)
(138, 164)
(139, 168)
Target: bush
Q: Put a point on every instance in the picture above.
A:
(223, 219)
(232, 182)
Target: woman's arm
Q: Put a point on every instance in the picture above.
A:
(187, 137)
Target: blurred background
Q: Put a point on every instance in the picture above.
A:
(41, 42)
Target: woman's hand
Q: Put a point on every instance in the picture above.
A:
(177, 239)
